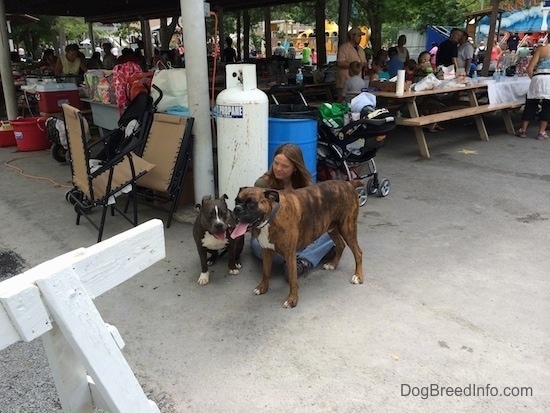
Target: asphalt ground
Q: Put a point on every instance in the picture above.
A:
(456, 294)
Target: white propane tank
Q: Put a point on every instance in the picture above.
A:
(242, 126)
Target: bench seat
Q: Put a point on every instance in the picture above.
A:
(457, 114)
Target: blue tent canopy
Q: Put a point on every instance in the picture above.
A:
(524, 20)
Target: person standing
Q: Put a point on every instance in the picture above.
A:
(349, 52)
(447, 52)
(291, 51)
(288, 172)
(496, 54)
(433, 55)
(513, 42)
(539, 89)
(306, 54)
(279, 51)
(465, 54)
(229, 54)
(313, 57)
(109, 59)
(402, 51)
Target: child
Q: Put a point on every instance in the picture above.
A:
(424, 64)
(410, 70)
(379, 70)
(354, 83)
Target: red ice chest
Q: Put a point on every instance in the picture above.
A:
(51, 96)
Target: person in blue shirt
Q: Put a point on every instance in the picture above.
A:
(394, 64)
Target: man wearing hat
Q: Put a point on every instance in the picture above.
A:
(349, 52)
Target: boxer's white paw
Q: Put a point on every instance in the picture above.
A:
(257, 291)
(234, 272)
(286, 304)
(328, 266)
(355, 280)
(238, 265)
(204, 278)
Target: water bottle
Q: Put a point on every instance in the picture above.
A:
(496, 75)
(299, 77)
(474, 77)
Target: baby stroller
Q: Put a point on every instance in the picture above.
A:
(348, 153)
(133, 127)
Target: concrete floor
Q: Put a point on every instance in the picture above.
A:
(456, 294)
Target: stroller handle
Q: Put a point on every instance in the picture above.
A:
(371, 122)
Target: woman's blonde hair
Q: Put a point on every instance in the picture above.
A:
(301, 176)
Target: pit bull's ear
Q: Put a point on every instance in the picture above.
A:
(206, 198)
(272, 195)
(224, 196)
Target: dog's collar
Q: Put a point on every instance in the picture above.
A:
(271, 216)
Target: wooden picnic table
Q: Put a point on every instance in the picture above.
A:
(417, 120)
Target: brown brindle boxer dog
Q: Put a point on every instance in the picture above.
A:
(286, 221)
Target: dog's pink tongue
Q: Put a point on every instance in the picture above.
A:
(220, 235)
(239, 230)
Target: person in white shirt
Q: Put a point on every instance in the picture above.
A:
(465, 53)
(279, 51)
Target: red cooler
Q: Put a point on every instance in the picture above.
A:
(51, 96)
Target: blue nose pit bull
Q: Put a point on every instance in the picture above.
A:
(286, 221)
(211, 231)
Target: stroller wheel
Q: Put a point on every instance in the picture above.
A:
(384, 188)
(58, 152)
(73, 195)
(371, 188)
(362, 194)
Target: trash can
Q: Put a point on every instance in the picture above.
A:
(292, 123)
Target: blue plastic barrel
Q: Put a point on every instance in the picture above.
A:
(295, 124)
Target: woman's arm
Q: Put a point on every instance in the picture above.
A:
(83, 66)
(58, 71)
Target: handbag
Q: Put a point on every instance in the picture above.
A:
(169, 88)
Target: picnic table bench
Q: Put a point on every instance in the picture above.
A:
(474, 109)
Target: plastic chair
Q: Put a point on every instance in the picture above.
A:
(168, 146)
(97, 184)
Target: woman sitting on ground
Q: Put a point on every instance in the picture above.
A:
(288, 171)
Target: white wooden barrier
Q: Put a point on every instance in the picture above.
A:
(54, 301)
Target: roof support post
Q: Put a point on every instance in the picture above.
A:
(194, 33)
(5, 66)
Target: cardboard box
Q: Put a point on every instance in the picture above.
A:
(51, 96)
(388, 86)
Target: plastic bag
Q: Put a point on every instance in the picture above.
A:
(427, 83)
(361, 100)
(332, 114)
(448, 72)
(173, 84)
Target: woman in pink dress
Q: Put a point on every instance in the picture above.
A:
(433, 54)
(496, 52)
